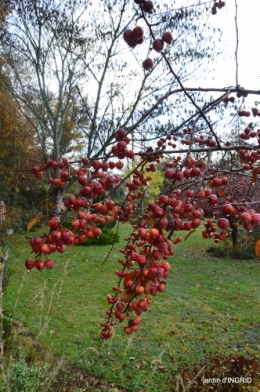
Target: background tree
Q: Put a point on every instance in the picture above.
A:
(43, 71)
(51, 47)
(18, 149)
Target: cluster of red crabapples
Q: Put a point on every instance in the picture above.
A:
(144, 267)
(146, 5)
(96, 179)
(234, 215)
(136, 36)
(217, 5)
(249, 158)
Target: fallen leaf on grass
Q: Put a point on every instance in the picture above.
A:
(155, 361)
(254, 367)
(162, 368)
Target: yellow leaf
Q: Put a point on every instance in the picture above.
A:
(33, 221)
(257, 248)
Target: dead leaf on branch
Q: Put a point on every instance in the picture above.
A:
(221, 192)
(256, 171)
(59, 205)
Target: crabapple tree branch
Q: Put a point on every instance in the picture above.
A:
(210, 173)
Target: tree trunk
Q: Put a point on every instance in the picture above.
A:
(234, 232)
(58, 195)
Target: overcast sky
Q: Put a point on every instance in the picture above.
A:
(248, 17)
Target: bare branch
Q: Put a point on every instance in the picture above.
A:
(236, 51)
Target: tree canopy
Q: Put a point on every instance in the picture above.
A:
(51, 47)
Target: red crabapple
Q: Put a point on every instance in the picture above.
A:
(158, 45)
(147, 64)
(167, 37)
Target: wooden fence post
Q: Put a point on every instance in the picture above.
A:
(2, 211)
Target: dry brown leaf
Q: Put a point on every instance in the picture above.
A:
(256, 171)
(127, 296)
(132, 276)
(254, 367)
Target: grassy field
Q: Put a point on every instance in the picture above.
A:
(211, 306)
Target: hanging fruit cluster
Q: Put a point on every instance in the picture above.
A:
(217, 5)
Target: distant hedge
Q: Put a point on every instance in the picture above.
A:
(245, 248)
(108, 237)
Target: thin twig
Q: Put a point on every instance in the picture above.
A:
(192, 89)
(182, 8)
(205, 149)
(91, 119)
(236, 52)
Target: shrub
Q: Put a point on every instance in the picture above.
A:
(108, 237)
(24, 378)
(217, 251)
(244, 249)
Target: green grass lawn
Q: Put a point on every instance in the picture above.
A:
(210, 306)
